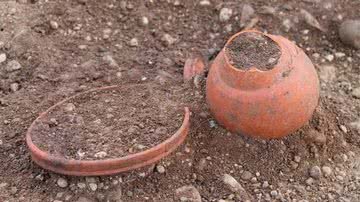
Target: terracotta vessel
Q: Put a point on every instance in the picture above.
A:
(264, 104)
(61, 165)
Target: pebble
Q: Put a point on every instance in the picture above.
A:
(114, 195)
(225, 14)
(265, 184)
(297, 159)
(287, 24)
(168, 39)
(54, 25)
(13, 66)
(100, 155)
(274, 193)
(329, 57)
(69, 107)
(349, 32)
(160, 169)
(327, 73)
(93, 186)
(356, 93)
(62, 182)
(14, 87)
(81, 185)
(309, 181)
(144, 20)
(315, 172)
(2, 57)
(267, 10)
(188, 193)
(343, 128)
(134, 42)
(236, 187)
(326, 170)
(205, 3)
(340, 54)
(314, 136)
(246, 175)
(246, 13)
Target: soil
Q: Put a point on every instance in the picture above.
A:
(253, 50)
(90, 47)
(110, 123)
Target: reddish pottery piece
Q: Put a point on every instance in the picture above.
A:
(193, 67)
(264, 104)
(108, 166)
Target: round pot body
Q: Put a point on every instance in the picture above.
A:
(65, 166)
(264, 104)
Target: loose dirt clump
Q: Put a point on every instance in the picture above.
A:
(110, 123)
(253, 50)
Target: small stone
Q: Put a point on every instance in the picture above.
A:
(274, 193)
(205, 3)
(326, 170)
(115, 195)
(82, 47)
(13, 190)
(54, 25)
(160, 169)
(314, 136)
(340, 54)
(329, 57)
(144, 20)
(2, 57)
(13, 66)
(265, 184)
(69, 107)
(246, 14)
(14, 87)
(134, 42)
(309, 181)
(343, 128)
(62, 182)
(267, 10)
(81, 185)
(212, 124)
(225, 14)
(236, 187)
(188, 193)
(93, 186)
(327, 73)
(100, 155)
(246, 175)
(168, 39)
(356, 125)
(349, 32)
(356, 93)
(297, 159)
(315, 172)
(287, 24)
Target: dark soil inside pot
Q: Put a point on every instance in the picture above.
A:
(111, 123)
(253, 49)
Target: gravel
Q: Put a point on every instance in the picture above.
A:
(225, 14)
(246, 175)
(13, 66)
(2, 57)
(315, 172)
(134, 42)
(349, 32)
(62, 182)
(188, 193)
(54, 25)
(14, 87)
(356, 93)
(326, 171)
(160, 169)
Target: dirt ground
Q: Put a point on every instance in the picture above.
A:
(56, 48)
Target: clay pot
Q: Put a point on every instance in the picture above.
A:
(264, 104)
(108, 166)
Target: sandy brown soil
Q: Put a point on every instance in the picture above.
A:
(65, 47)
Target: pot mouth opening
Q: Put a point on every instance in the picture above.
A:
(253, 49)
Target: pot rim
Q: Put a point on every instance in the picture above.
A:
(253, 68)
(61, 165)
